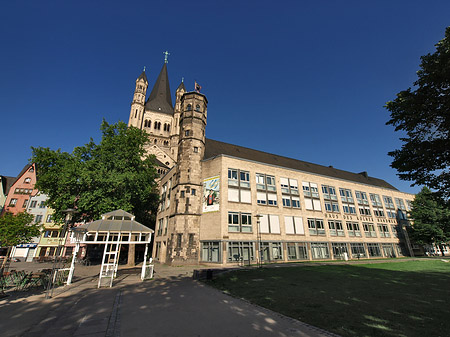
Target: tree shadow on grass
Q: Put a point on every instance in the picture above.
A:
(351, 300)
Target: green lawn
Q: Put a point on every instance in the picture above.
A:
(409, 298)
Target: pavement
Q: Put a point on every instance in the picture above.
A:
(171, 304)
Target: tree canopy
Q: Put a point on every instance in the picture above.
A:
(17, 229)
(430, 218)
(423, 115)
(95, 179)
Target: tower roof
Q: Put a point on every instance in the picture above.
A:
(160, 99)
(181, 86)
(143, 76)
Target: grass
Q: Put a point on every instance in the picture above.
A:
(408, 298)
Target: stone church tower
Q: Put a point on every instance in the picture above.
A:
(158, 116)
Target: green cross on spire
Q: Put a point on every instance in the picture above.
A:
(166, 54)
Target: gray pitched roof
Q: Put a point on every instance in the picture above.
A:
(143, 76)
(160, 99)
(115, 221)
(6, 183)
(214, 148)
(181, 86)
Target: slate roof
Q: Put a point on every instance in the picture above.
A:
(7, 182)
(143, 76)
(160, 99)
(214, 148)
(181, 86)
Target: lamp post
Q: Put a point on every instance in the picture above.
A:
(258, 240)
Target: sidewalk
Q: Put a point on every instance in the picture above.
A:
(172, 304)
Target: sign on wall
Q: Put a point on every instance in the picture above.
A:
(211, 194)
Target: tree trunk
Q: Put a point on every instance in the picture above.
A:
(131, 254)
(2, 269)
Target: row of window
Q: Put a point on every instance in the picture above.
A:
(39, 217)
(273, 251)
(270, 223)
(239, 191)
(156, 125)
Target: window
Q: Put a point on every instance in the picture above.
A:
(266, 184)
(375, 199)
(331, 206)
(379, 212)
(12, 202)
(193, 191)
(25, 203)
(316, 227)
(335, 228)
(329, 192)
(289, 186)
(186, 133)
(271, 251)
(211, 251)
(239, 186)
(297, 250)
(384, 231)
(408, 204)
(319, 250)
(369, 230)
(294, 225)
(357, 250)
(388, 203)
(42, 204)
(269, 224)
(191, 240)
(189, 107)
(348, 205)
(340, 250)
(182, 194)
(361, 198)
(27, 180)
(33, 204)
(49, 218)
(160, 226)
(364, 210)
(238, 251)
(163, 196)
(388, 250)
(400, 204)
(353, 229)
(239, 222)
(197, 108)
(311, 193)
(373, 249)
(395, 229)
(38, 219)
(195, 149)
(179, 240)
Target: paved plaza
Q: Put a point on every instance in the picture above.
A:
(171, 304)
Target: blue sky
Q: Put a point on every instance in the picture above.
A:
(302, 79)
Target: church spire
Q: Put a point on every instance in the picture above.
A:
(160, 99)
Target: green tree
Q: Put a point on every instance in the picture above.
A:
(430, 218)
(423, 115)
(16, 229)
(99, 178)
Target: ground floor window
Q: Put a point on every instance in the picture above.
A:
(241, 251)
(297, 250)
(271, 251)
(157, 251)
(373, 249)
(319, 250)
(388, 250)
(211, 251)
(357, 250)
(339, 250)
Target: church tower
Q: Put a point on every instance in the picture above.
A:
(137, 105)
(184, 245)
(175, 134)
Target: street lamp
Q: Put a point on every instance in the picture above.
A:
(258, 240)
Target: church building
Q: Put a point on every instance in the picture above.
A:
(227, 204)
